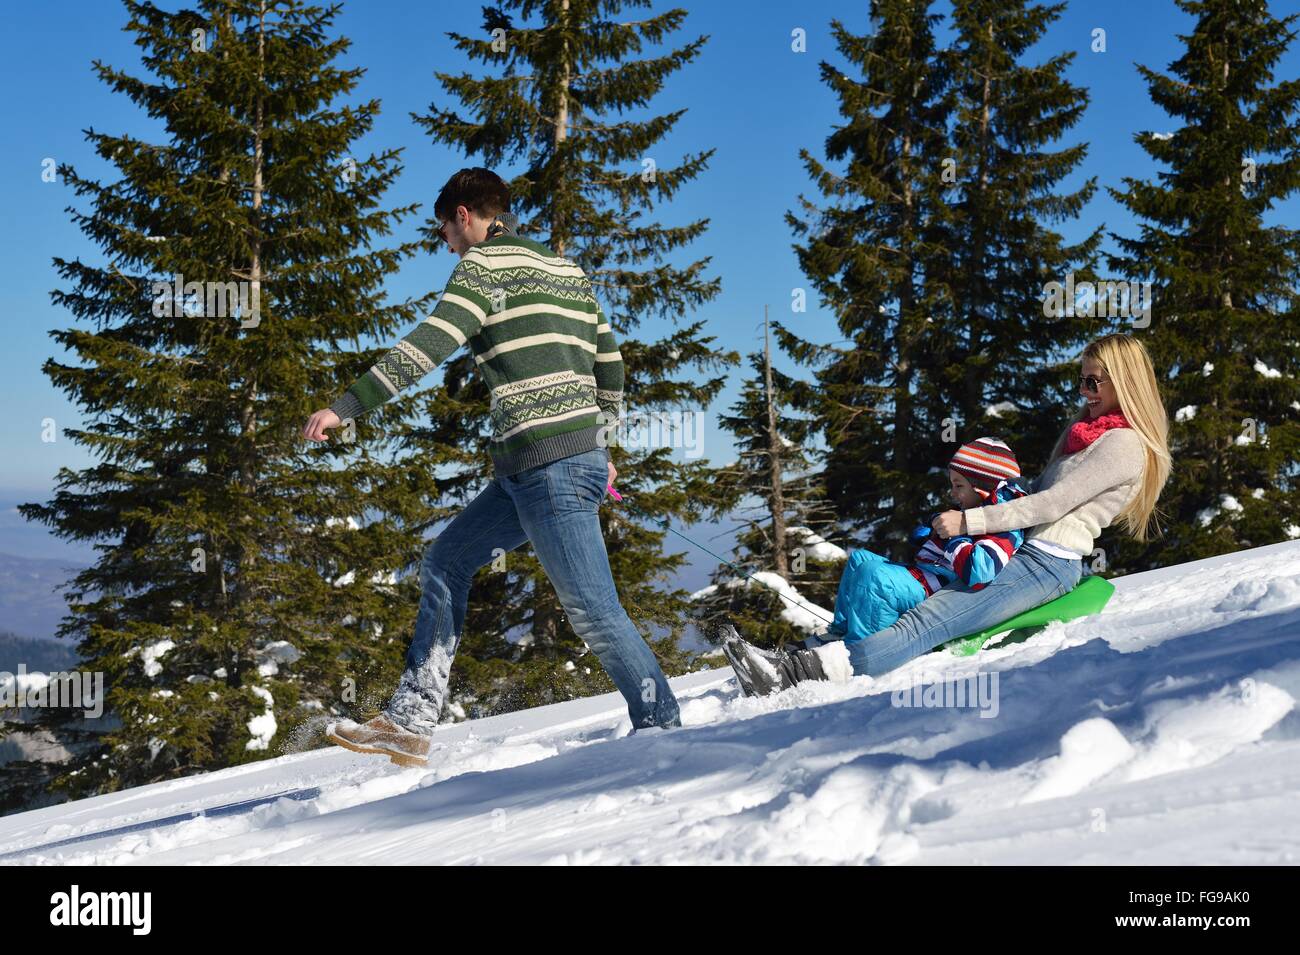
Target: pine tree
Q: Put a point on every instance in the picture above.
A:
(1012, 371)
(936, 256)
(774, 480)
(564, 78)
(1223, 325)
(237, 591)
(868, 254)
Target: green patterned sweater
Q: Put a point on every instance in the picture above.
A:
(540, 341)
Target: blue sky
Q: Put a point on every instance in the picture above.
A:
(748, 95)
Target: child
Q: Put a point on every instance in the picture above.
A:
(981, 473)
(874, 592)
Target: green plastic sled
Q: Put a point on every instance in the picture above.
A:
(1089, 596)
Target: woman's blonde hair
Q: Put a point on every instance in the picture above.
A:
(1128, 366)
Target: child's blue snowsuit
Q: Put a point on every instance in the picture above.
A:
(874, 591)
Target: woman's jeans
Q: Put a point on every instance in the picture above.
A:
(555, 507)
(1031, 577)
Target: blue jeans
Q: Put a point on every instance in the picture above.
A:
(555, 507)
(1031, 577)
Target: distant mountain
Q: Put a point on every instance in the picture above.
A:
(44, 656)
(29, 604)
(19, 535)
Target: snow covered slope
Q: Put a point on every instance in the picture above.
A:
(1161, 731)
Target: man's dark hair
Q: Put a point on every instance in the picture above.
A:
(480, 190)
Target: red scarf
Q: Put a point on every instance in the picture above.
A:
(1083, 433)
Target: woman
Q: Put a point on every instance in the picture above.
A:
(1109, 464)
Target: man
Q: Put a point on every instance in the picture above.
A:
(542, 344)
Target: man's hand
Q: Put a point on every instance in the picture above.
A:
(612, 474)
(950, 524)
(318, 423)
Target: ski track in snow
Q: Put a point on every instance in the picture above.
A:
(1163, 731)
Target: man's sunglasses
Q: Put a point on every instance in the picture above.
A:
(1092, 382)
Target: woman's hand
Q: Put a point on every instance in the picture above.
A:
(950, 524)
(612, 474)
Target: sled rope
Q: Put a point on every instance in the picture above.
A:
(663, 523)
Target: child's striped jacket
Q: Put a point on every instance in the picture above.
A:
(972, 560)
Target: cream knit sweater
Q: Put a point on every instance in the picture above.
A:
(1075, 497)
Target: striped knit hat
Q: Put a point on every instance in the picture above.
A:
(985, 462)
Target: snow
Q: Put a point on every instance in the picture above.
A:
(1001, 408)
(796, 611)
(1266, 371)
(262, 728)
(1206, 515)
(1185, 413)
(1162, 731)
(151, 653)
(349, 522)
(275, 653)
(817, 547)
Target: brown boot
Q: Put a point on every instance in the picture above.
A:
(382, 737)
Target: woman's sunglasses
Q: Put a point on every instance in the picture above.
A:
(1092, 382)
